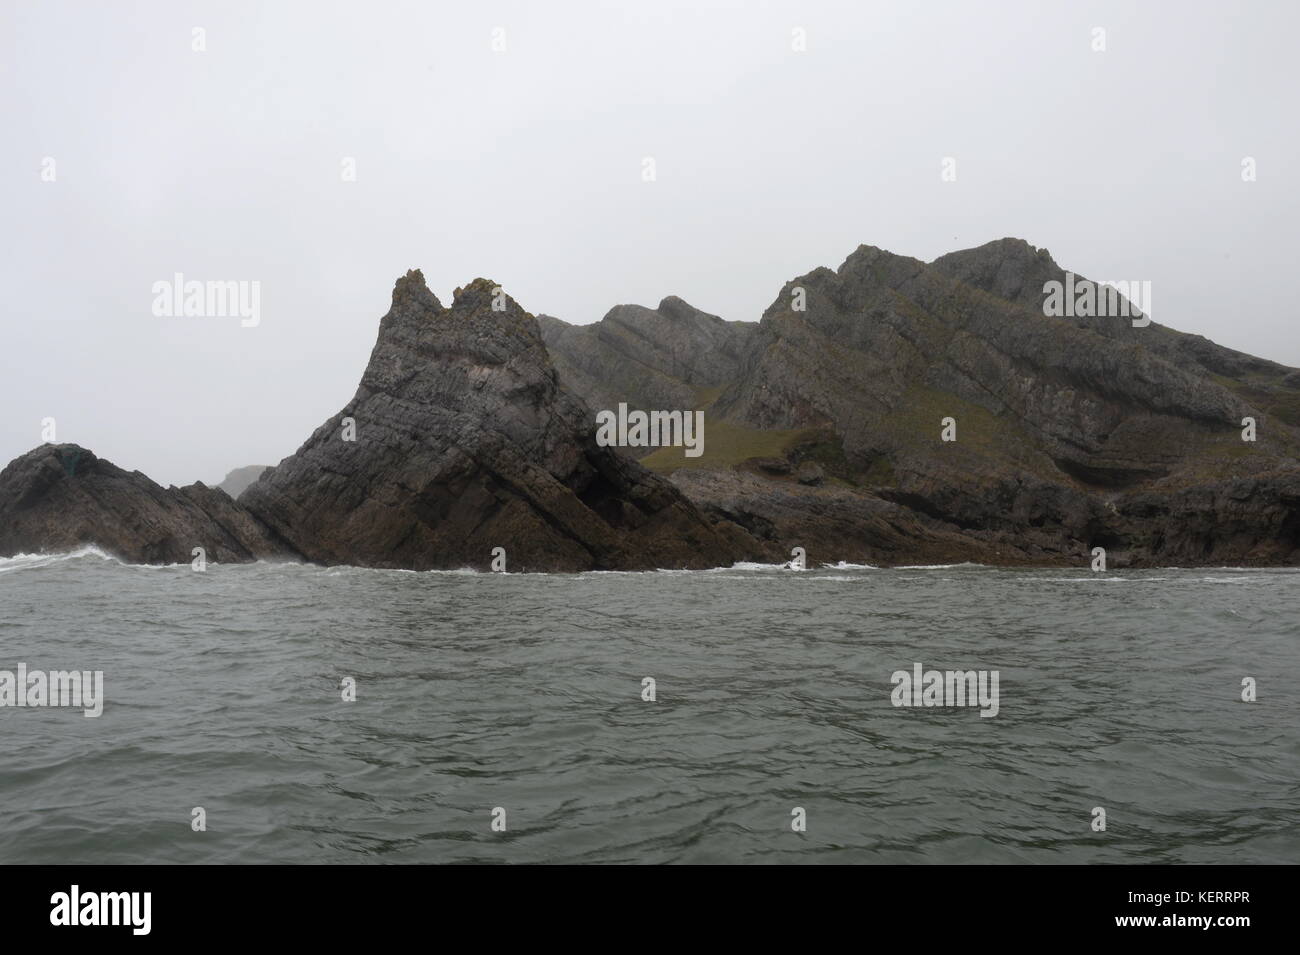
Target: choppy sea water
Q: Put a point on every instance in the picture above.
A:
(476, 691)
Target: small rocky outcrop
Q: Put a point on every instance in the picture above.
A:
(58, 498)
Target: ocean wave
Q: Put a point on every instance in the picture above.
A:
(1095, 578)
(23, 561)
(338, 570)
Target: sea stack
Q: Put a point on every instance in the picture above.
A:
(460, 440)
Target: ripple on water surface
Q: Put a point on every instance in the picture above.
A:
(772, 691)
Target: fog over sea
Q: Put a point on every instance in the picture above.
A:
(1120, 690)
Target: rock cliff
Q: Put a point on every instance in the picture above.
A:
(460, 440)
(888, 411)
(1068, 432)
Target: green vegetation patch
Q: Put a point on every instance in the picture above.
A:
(1278, 402)
(727, 444)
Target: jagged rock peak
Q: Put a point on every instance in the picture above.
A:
(411, 290)
(464, 441)
(1008, 247)
(679, 309)
(481, 291)
(1009, 268)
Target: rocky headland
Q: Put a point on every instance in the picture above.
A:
(890, 411)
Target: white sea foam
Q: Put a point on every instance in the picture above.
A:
(340, 570)
(737, 571)
(750, 565)
(943, 566)
(23, 561)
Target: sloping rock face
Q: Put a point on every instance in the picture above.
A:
(1014, 270)
(668, 358)
(836, 524)
(886, 337)
(57, 498)
(465, 442)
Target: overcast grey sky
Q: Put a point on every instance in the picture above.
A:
(526, 166)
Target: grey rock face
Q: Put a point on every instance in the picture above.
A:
(886, 336)
(827, 428)
(465, 442)
(1013, 270)
(1066, 428)
(61, 497)
(669, 358)
(834, 524)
